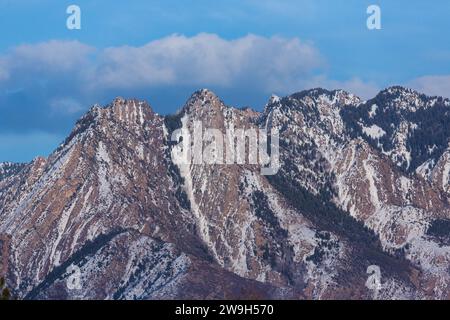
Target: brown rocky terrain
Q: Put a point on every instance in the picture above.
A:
(115, 204)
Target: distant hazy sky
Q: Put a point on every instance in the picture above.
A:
(162, 51)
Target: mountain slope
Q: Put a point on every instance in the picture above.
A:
(112, 172)
(8, 169)
(363, 179)
(115, 202)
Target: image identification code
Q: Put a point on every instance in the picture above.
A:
(223, 309)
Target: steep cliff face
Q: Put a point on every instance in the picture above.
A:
(374, 179)
(112, 174)
(249, 228)
(116, 208)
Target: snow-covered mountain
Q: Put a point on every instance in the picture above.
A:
(361, 183)
(8, 169)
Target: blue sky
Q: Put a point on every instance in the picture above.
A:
(243, 50)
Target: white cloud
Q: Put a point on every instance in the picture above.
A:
(365, 90)
(432, 85)
(59, 56)
(207, 59)
(262, 63)
(66, 105)
(254, 63)
(4, 74)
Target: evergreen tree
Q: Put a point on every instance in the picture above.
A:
(5, 293)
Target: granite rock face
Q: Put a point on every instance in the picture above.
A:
(113, 214)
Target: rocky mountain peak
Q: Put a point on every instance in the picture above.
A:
(317, 99)
(113, 202)
(396, 90)
(401, 99)
(203, 100)
(404, 124)
(318, 94)
(205, 93)
(273, 99)
(131, 111)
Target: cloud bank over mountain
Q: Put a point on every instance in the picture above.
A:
(251, 62)
(433, 85)
(45, 86)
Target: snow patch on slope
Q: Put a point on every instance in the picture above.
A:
(374, 131)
